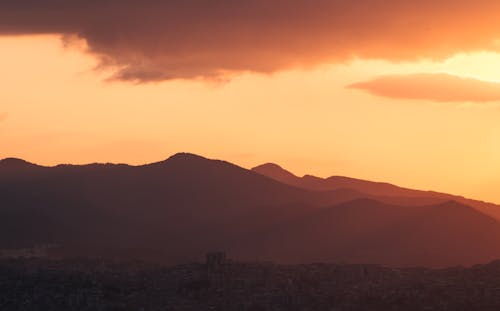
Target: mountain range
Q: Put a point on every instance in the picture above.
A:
(381, 191)
(178, 209)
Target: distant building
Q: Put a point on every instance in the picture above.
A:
(215, 260)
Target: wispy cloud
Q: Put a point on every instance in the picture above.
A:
(153, 40)
(438, 87)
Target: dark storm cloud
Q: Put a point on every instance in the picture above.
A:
(151, 40)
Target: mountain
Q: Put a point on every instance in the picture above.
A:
(185, 204)
(367, 231)
(278, 173)
(381, 191)
(178, 209)
(15, 164)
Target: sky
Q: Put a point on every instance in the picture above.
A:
(403, 92)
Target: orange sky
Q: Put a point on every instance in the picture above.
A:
(55, 108)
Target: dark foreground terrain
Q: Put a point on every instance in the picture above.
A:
(223, 285)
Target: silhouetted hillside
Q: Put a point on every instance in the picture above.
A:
(178, 209)
(381, 191)
(186, 204)
(367, 231)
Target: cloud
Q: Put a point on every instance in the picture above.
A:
(155, 40)
(438, 87)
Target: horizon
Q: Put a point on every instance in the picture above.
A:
(277, 165)
(422, 115)
(320, 155)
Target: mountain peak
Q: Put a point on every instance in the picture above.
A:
(276, 172)
(270, 166)
(15, 163)
(186, 156)
(188, 160)
(180, 157)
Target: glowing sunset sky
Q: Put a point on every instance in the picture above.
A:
(406, 92)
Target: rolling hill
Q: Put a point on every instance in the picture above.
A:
(381, 191)
(178, 209)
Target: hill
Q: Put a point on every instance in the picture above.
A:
(381, 191)
(178, 209)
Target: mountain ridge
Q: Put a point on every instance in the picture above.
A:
(380, 190)
(186, 205)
